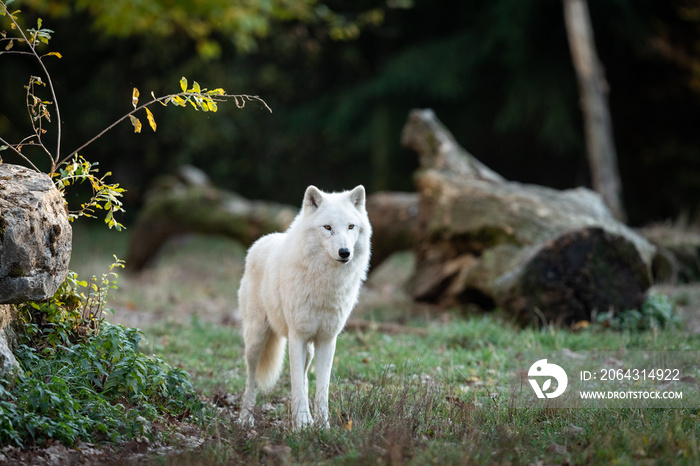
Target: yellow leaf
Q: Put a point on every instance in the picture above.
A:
(218, 91)
(55, 54)
(348, 426)
(179, 101)
(135, 97)
(183, 84)
(195, 87)
(137, 123)
(151, 120)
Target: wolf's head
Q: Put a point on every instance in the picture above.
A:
(338, 223)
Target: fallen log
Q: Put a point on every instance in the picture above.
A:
(531, 250)
(678, 253)
(187, 202)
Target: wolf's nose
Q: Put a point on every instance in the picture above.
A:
(344, 253)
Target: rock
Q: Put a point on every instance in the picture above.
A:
(7, 339)
(35, 236)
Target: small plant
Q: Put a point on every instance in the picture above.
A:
(656, 312)
(84, 379)
(73, 313)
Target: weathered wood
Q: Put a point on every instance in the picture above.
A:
(188, 203)
(528, 249)
(394, 220)
(678, 253)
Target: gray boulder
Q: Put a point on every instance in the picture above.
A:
(35, 236)
(7, 339)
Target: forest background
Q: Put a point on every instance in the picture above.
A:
(341, 77)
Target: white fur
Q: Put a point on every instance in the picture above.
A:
(298, 286)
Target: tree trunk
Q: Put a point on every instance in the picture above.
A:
(531, 250)
(602, 157)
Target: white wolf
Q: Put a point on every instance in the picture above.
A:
(302, 285)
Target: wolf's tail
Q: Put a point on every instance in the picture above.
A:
(271, 362)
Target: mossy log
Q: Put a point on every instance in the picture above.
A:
(537, 252)
(187, 202)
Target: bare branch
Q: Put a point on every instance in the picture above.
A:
(18, 152)
(110, 127)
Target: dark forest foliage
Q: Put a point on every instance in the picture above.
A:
(497, 72)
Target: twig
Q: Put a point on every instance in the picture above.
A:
(10, 146)
(32, 47)
(160, 99)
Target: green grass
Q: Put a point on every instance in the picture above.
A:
(428, 399)
(436, 398)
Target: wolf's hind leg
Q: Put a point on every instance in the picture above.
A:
(256, 337)
(307, 365)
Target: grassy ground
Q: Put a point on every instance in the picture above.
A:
(438, 396)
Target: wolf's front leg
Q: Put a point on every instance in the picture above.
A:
(298, 353)
(324, 362)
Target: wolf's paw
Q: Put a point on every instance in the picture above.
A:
(303, 419)
(246, 418)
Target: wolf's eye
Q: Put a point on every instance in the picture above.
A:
(351, 226)
(327, 227)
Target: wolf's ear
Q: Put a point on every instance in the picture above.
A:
(357, 197)
(313, 197)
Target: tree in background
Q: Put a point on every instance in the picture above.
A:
(600, 145)
(497, 72)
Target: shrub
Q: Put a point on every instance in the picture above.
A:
(84, 379)
(656, 312)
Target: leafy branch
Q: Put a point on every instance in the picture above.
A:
(73, 168)
(200, 99)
